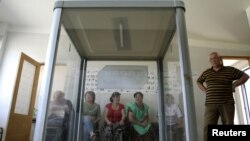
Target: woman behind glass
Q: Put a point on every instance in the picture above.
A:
(139, 119)
(114, 112)
(91, 115)
(59, 114)
(173, 120)
(114, 116)
(58, 108)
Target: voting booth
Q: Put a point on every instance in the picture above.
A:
(124, 46)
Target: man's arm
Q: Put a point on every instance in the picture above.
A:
(240, 81)
(201, 86)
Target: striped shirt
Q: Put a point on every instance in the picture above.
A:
(219, 84)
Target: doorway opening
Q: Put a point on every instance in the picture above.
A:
(242, 93)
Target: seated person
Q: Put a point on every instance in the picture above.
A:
(173, 119)
(57, 109)
(91, 115)
(114, 114)
(139, 119)
(58, 113)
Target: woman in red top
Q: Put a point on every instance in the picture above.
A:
(115, 128)
(114, 112)
(114, 116)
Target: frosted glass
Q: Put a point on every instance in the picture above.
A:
(122, 77)
(25, 89)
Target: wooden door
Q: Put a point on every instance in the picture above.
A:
(21, 114)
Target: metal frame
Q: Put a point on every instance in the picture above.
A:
(188, 98)
(161, 106)
(47, 77)
(186, 77)
(118, 3)
(77, 133)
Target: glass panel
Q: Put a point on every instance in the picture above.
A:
(64, 92)
(126, 73)
(25, 88)
(174, 115)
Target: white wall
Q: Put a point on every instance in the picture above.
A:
(199, 52)
(33, 45)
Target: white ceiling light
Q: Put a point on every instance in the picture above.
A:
(121, 33)
(248, 15)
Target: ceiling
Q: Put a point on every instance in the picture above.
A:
(211, 20)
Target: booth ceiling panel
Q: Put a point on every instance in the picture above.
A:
(118, 33)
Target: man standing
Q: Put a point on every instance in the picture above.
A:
(221, 82)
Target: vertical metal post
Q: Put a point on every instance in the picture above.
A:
(161, 114)
(79, 130)
(186, 77)
(44, 93)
